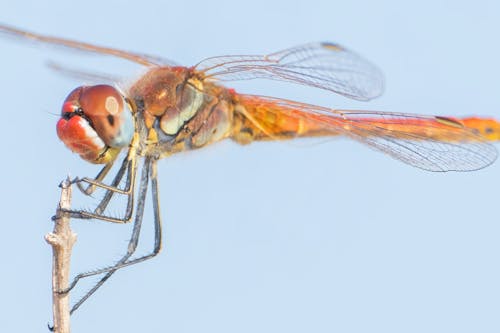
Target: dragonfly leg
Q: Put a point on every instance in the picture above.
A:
(149, 170)
(129, 165)
(136, 229)
(93, 183)
(116, 181)
(91, 188)
(97, 181)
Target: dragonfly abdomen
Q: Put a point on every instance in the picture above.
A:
(256, 119)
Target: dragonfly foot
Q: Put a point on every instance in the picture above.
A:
(76, 214)
(64, 291)
(75, 180)
(79, 183)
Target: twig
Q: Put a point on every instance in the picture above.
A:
(62, 240)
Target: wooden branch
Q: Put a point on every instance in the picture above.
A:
(62, 240)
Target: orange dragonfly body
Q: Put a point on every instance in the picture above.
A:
(171, 109)
(178, 109)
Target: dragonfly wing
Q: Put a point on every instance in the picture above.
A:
(83, 75)
(322, 65)
(142, 59)
(427, 142)
(433, 155)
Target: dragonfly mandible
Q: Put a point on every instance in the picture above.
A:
(172, 109)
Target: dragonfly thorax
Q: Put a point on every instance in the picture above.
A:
(177, 111)
(96, 122)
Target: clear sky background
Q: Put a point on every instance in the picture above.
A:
(271, 237)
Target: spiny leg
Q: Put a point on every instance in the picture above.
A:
(149, 169)
(136, 231)
(97, 182)
(129, 164)
(109, 193)
(153, 175)
(113, 188)
(135, 236)
(89, 190)
(100, 176)
(130, 182)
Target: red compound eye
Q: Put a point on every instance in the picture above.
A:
(94, 119)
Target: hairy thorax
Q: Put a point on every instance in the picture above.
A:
(175, 111)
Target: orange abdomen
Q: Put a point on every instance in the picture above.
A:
(256, 120)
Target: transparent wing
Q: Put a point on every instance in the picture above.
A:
(142, 59)
(426, 142)
(322, 65)
(83, 75)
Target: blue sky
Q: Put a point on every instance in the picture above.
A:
(271, 237)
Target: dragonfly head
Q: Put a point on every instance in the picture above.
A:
(96, 122)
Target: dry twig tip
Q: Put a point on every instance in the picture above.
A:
(62, 240)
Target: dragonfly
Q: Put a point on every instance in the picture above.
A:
(172, 109)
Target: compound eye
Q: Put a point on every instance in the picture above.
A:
(106, 111)
(94, 119)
